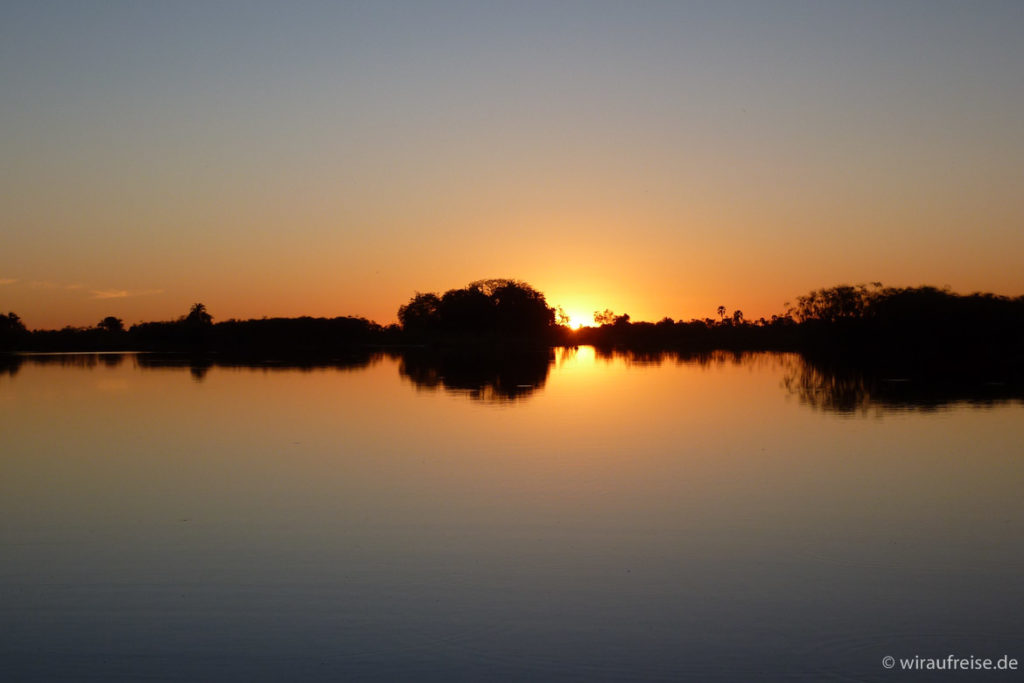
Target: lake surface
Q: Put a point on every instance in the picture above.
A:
(563, 516)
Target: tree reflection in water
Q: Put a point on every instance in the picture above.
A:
(199, 364)
(502, 375)
(844, 386)
(482, 374)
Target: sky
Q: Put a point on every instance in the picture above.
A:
(654, 158)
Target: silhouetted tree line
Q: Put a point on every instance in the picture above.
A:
(196, 332)
(781, 333)
(266, 336)
(916, 324)
(912, 323)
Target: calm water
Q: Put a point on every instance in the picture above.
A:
(576, 517)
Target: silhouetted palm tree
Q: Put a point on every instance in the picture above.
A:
(198, 316)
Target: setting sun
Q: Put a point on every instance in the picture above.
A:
(578, 319)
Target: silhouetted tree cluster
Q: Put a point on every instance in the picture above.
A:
(836, 304)
(108, 335)
(486, 310)
(873, 320)
(12, 332)
(608, 317)
(111, 325)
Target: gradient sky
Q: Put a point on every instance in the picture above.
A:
(655, 158)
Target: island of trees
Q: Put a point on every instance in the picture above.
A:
(847, 321)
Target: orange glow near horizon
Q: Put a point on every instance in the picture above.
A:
(578, 319)
(345, 175)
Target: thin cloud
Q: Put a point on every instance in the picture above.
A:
(8, 280)
(122, 293)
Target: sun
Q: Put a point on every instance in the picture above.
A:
(578, 319)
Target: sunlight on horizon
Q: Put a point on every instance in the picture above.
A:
(578, 319)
